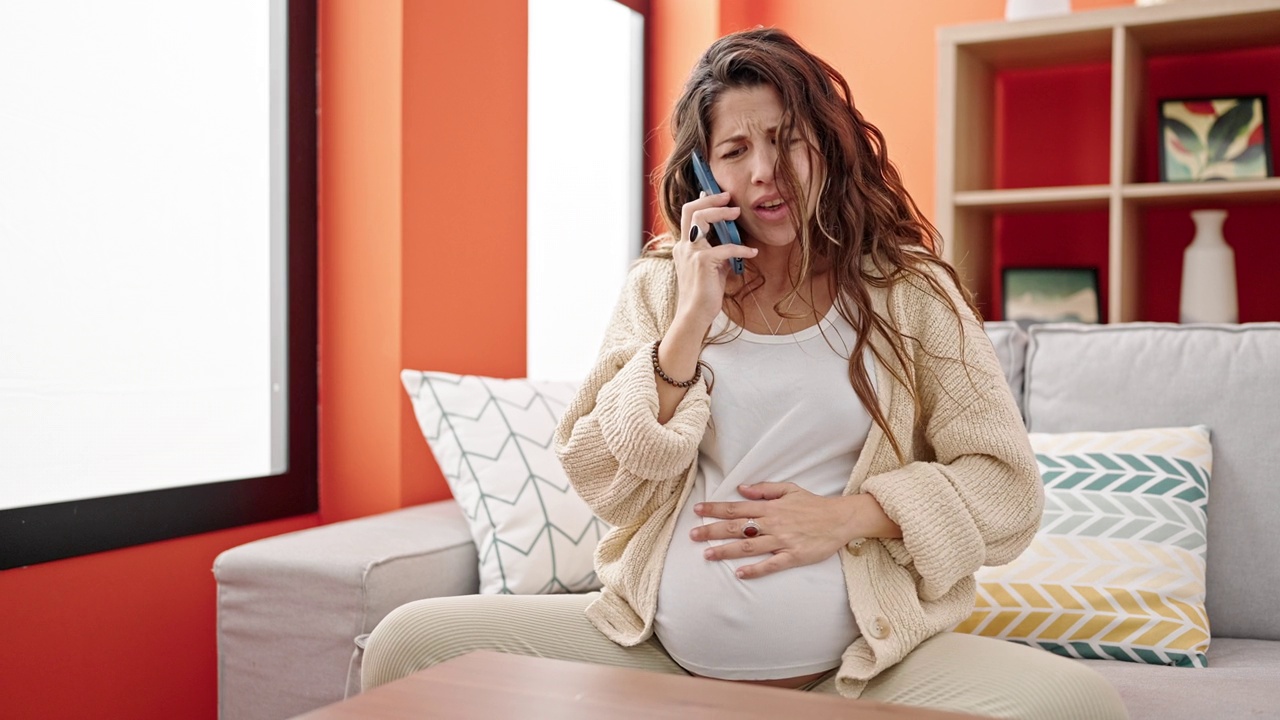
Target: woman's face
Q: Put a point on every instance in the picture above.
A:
(744, 156)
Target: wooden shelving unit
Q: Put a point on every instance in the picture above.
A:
(1121, 43)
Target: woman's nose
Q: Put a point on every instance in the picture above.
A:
(763, 166)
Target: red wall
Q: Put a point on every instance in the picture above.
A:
(121, 634)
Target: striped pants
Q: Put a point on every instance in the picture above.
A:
(951, 671)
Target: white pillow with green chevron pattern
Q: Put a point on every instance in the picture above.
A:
(1117, 570)
(492, 439)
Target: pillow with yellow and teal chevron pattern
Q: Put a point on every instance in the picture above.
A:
(1117, 570)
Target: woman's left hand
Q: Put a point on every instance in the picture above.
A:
(796, 527)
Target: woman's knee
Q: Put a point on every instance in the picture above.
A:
(997, 678)
(1053, 687)
(1076, 691)
(410, 638)
(428, 632)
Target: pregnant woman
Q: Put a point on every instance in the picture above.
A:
(804, 463)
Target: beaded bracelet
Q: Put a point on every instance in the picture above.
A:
(697, 373)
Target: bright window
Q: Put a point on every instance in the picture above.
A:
(586, 175)
(144, 254)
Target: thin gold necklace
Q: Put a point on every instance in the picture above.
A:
(781, 318)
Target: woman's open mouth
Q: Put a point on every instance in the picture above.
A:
(769, 210)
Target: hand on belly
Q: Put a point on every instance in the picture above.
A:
(789, 525)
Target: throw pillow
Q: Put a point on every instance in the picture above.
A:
(492, 439)
(1117, 569)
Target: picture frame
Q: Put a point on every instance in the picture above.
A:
(1051, 294)
(1214, 138)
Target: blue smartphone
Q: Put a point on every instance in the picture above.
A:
(726, 230)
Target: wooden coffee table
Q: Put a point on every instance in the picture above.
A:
(494, 686)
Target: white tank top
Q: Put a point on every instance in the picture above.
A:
(782, 410)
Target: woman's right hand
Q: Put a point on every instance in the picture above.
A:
(701, 269)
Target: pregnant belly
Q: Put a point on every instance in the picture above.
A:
(790, 627)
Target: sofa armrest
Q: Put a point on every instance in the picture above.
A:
(291, 606)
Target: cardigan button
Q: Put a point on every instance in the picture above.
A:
(879, 628)
(855, 547)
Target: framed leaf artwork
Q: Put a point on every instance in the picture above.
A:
(1214, 139)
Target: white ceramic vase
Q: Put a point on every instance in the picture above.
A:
(1208, 273)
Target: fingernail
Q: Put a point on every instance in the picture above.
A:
(740, 574)
(698, 508)
(707, 554)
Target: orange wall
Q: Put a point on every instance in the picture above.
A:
(360, 137)
(464, 204)
(423, 224)
(422, 265)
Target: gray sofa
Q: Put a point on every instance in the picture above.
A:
(293, 609)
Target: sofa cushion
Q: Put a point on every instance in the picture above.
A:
(1126, 376)
(1117, 569)
(1010, 342)
(1240, 682)
(492, 439)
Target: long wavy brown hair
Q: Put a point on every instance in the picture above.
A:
(867, 230)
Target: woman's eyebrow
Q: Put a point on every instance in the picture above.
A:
(741, 136)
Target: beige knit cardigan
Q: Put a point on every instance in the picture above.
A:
(969, 495)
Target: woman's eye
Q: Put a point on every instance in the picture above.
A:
(733, 153)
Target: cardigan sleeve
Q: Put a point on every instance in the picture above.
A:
(620, 459)
(978, 498)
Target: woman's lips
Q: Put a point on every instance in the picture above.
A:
(770, 210)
